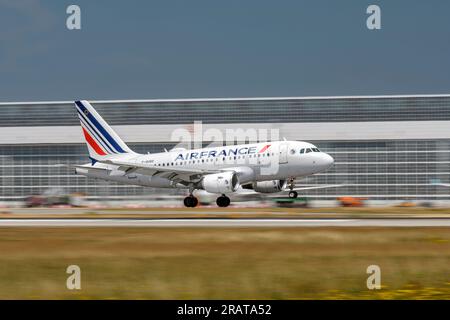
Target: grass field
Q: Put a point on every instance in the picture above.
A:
(198, 263)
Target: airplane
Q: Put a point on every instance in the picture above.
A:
(219, 170)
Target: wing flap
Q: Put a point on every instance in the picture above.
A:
(174, 174)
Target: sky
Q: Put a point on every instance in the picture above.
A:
(221, 49)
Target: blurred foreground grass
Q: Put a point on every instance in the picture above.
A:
(185, 263)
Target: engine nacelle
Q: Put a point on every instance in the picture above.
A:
(225, 182)
(271, 186)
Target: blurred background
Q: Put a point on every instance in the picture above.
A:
(387, 149)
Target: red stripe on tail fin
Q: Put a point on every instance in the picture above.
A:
(92, 143)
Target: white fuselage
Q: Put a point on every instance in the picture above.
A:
(252, 162)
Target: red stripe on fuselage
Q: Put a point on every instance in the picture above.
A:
(92, 143)
(265, 148)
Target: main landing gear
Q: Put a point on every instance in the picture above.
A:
(223, 201)
(190, 201)
(292, 194)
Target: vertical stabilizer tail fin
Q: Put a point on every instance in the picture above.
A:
(102, 141)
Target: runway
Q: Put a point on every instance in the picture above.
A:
(245, 223)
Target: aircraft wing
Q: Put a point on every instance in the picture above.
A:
(440, 184)
(174, 174)
(316, 187)
(127, 165)
(182, 175)
(243, 191)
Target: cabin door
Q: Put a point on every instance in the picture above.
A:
(283, 153)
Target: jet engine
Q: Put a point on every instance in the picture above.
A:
(225, 182)
(270, 186)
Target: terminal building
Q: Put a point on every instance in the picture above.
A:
(386, 148)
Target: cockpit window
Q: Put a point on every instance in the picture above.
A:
(316, 150)
(302, 151)
(308, 150)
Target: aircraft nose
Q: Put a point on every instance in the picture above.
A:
(330, 159)
(327, 160)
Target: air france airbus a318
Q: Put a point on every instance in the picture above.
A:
(220, 170)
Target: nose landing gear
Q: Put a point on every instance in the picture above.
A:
(190, 201)
(223, 201)
(292, 194)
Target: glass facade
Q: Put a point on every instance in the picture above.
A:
(390, 169)
(379, 170)
(387, 170)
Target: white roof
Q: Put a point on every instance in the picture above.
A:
(236, 99)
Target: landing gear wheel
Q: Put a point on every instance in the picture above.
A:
(293, 194)
(190, 201)
(223, 201)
